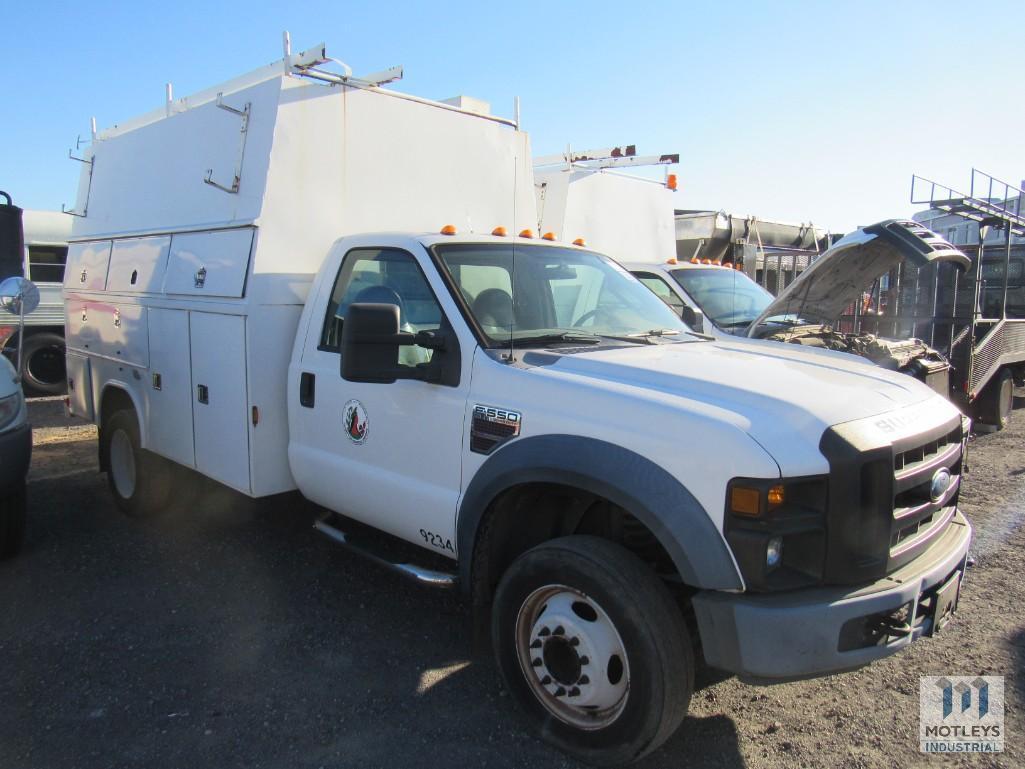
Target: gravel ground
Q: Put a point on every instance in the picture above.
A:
(230, 634)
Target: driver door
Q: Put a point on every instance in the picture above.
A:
(385, 454)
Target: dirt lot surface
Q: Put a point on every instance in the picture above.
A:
(230, 634)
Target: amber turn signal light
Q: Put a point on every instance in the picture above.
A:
(744, 501)
(776, 495)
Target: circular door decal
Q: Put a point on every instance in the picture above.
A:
(357, 423)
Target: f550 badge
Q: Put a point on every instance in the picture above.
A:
(491, 427)
(357, 422)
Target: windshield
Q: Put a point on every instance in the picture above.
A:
(728, 297)
(554, 294)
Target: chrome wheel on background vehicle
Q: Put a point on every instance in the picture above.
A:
(572, 657)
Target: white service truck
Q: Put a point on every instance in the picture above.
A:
(251, 294)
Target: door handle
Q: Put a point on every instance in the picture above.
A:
(202, 393)
(307, 389)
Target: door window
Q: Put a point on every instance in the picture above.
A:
(661, 289)
(384, 276)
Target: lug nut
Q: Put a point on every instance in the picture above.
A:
(583, 680)
(536, 663)
(544, 631)
(584, 660)
(560, 692)
(574, 641)
(560, 630)
(574, 692)
(546, 680)
(537, 644)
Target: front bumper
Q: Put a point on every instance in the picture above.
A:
(801, 634)
(15, 453)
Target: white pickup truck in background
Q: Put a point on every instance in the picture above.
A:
(252, 295)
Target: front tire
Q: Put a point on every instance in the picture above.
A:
(139, 480)
(593, 647)
(12, 520)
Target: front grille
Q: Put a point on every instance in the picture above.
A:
(881, 514)
(917, 518)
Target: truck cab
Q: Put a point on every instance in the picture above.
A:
(511, 405)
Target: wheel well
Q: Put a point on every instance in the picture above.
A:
(114, 399)
(528, 514)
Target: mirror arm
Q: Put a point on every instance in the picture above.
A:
(430, 340)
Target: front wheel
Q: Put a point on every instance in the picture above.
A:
(592, 645)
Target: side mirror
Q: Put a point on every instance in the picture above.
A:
(370, 346)
(20, 297)
(692, 318)
(370, 343)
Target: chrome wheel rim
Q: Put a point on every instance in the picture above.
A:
(122, 463)
(572, 657)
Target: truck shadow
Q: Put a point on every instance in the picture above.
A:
(229, 632)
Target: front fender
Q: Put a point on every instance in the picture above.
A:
(625, 478)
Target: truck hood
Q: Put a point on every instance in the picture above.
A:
(837, 278)
(783, 396)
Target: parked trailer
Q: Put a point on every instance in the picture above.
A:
(44, 252)
(282, 283)
(975, 318)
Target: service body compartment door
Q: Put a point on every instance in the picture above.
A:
(209, 263)
(220, 398)
(80, 386)
(169, 389)
(137, 265)
(86, 268)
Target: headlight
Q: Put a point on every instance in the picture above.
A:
(10, 407)
(776, 530)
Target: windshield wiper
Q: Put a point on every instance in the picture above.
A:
(559, 336)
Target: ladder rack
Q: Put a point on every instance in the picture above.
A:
(988, 198)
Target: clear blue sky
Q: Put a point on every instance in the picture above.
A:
(804, 111)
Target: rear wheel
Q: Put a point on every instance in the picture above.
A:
(139, 479)
(43, 363)
(592, 645)
(12, 520)
(997, 400)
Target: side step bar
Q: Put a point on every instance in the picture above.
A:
(423, 576)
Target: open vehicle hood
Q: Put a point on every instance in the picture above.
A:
(838, 277)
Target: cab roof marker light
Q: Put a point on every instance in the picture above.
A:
(548, 236)
(706, 260)
(671, 260)
(579, 242)
(526, 233)
(499, 231)
(448, 229)
(694, 260)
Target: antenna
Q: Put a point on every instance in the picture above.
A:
(511, 355)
